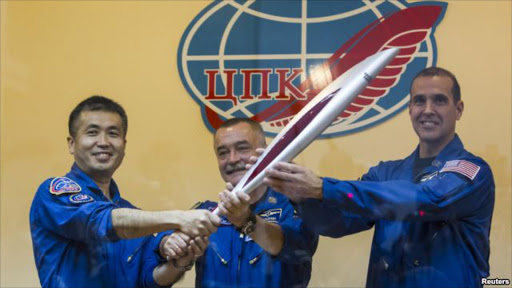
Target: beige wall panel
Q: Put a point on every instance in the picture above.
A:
(56, 53)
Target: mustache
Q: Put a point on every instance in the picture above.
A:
(238, 166)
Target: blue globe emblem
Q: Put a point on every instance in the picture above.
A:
(255, 58)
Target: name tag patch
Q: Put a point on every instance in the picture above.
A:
(80, 198)
(63, 185)
(272, 215)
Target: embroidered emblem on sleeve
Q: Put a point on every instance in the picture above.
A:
(63, 185)
(272, 215)
(463, 167)
(80, 198)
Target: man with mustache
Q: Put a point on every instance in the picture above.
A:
(84, 234)
(431, 211)
(261, 241)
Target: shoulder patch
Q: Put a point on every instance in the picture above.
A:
(196, 205)
(80, 198)
(463, 167)
(225, 222)
(272, 200)
(205, 205)
(63, 185)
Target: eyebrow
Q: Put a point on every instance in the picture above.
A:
(92, 126)
(235, 144)
(434, 95)
(96, 126)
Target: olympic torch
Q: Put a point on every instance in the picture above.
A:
(315, 117)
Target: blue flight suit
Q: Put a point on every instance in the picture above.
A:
(431, 229)
(75, 244)
(234, 260)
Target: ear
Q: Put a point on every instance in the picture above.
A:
(409, 107)
(459, 109)
(71, 146)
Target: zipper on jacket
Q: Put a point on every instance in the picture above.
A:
(129, 259)
(220, 257)
(214, 249)
(242, 242)
(255, 259)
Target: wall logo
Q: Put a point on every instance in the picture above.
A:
(266, 59)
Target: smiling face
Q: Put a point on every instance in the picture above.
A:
(99, 143)
(433, 112)
(234, 145)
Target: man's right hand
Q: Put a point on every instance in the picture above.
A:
(180, 256)
(198, 223)
(254, 159)
(235, 206)
(180, 246)
(294, 181)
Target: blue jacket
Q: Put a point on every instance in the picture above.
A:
(74, 242)
(431, 229)
(234, 260)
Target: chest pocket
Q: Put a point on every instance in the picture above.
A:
(445, 185)
(254, 253)
(229, 246)
(134, 248)
(220, 252)
(221, 244)
(132, 253)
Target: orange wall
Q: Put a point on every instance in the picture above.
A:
(56, 53)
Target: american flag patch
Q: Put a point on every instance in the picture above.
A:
(463, 167)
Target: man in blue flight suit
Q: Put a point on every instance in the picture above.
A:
(431, 211)
(84, 234)
(261, 241)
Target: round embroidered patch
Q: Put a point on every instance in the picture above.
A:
(62, 185)
(80, 198)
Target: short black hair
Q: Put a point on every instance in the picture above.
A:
(234, 121)
(438, 71)
(97, 103)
